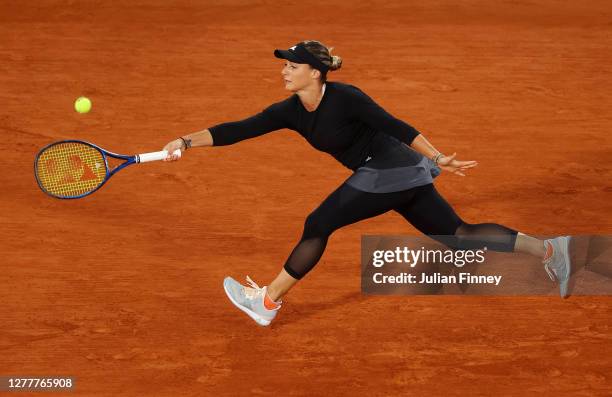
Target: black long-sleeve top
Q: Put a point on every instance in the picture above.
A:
(347, 124)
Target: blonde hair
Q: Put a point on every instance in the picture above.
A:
(324, 55)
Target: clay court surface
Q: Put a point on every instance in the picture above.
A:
(123, 289)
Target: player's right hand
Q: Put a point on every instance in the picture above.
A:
(171, 147)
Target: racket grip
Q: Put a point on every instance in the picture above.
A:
(156, 156)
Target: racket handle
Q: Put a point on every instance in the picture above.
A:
(156, 156)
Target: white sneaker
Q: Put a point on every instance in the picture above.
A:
(250, 300)
(559, 264)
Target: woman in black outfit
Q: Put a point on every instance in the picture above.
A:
(394, 166)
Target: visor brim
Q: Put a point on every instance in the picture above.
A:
(288, 55)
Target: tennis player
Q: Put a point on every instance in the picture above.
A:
(393, 169)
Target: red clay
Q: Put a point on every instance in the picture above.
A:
(123, 289)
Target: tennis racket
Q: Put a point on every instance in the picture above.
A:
(73, 169)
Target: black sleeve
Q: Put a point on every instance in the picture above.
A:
(270, 119)
(365, 109)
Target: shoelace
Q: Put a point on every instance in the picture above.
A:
(551, 272)
(548, 265)
(255, 291)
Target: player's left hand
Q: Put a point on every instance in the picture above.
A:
(450, 164)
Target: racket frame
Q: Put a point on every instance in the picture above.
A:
(129, 161)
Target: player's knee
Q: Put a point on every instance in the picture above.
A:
(449, 240)
(451, 235)
(316, 226)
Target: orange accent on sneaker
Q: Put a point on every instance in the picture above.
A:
(549, 250)
(269, 303)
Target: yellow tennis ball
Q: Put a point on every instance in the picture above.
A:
(82, 105)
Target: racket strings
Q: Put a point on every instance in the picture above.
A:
(70, 169)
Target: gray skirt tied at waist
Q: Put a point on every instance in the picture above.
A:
(392, 166)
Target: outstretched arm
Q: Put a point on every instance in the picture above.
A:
(422, 145)
(270, 119)
(373, 114)
(200, 138)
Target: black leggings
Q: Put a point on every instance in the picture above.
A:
(422, 206)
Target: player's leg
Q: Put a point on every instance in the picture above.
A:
(432, 215)
(344, 206)
(530, 245)
(281, 285)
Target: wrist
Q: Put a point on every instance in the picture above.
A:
(185, 143)
(437, 158)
